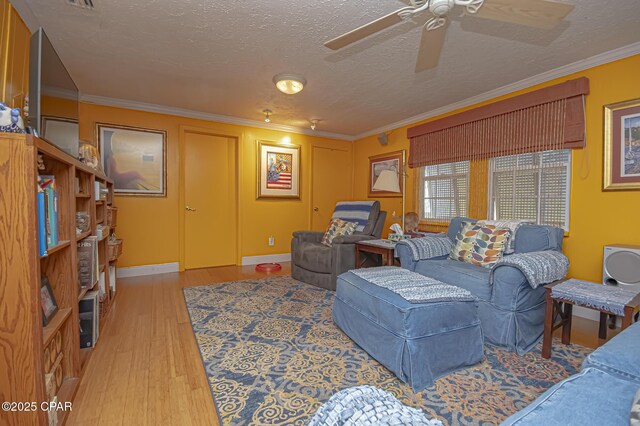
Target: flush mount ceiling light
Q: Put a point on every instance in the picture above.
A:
(267, 115)
(314, 123)
(289, 83)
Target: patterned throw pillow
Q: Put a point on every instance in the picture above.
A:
(338, 227)
(481, 245)
(513, 225)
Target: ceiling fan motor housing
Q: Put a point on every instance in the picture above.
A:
(441, 7)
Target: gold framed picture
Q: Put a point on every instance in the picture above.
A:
(622, 146)
(134, 158)
(378, 164)
(278, 170)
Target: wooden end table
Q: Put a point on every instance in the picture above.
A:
(384, 248)
(558, 307)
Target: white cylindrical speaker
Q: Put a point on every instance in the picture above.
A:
(621, 266)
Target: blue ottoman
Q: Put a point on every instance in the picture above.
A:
(418, 342)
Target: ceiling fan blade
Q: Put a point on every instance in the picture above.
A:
(366, 30)
(543, 14)
(431, 44)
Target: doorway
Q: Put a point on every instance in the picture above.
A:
(209, 200)
(331, 182)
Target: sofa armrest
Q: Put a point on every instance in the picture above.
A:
(351, 239)
(308, 236)
(403, 252)
(511, 290)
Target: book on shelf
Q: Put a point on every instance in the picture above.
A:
(48, 185)
(88, 267)
(89, 315)
(42, 229)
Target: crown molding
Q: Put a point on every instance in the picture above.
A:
(180, 112)
(584, 64)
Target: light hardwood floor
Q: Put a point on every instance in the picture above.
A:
(146, 368)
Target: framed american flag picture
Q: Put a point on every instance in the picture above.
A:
(278, 170)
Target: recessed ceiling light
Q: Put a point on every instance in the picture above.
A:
(289, 83)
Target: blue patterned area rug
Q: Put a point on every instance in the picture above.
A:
(273, 355)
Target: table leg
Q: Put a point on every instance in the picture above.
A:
(566, 324)
(357, 257)
(548, 325)
(603, 325)
(627, 319)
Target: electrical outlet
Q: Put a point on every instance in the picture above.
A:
(272, 241)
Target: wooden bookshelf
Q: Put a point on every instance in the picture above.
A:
(23, 339)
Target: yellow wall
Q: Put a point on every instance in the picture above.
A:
(149, 226)
(597, 218)
(14, 56)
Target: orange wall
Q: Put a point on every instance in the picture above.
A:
(597, 218)
(14, 56)
(149, 226)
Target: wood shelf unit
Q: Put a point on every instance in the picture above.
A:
(21, 268)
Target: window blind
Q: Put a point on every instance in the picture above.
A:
(532, 186)
(445, 190)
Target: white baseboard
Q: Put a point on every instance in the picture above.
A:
(268, 258)
(136, 271)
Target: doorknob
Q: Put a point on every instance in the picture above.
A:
(190, 209)
(315, 209)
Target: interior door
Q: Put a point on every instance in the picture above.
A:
(210, 200)
(331, 182)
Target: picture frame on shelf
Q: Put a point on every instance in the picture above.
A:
(47, 301)
(622, 146)
(278, 170)
(134, 158)
(377, 164)
(61, 131)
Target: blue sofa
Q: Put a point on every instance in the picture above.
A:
(511, 311)
(601, 394)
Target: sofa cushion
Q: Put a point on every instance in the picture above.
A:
(591, 397)
(314, 257)
(461, 274)
(538, 238)
(338, 228)
(480, 245)
(619, 356)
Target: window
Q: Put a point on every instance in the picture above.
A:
(444, 190)
(531, 186)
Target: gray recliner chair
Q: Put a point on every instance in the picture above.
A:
(314, 263)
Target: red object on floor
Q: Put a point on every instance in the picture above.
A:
(268, 267)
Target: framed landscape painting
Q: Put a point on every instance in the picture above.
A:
(134, 158)
(379, 163)
(622, 146)
(278, 170)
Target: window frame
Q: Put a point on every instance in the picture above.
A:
(422, 179)
(490, 178)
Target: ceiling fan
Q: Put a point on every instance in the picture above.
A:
(544, 14)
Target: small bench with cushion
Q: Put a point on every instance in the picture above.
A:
(417, 340)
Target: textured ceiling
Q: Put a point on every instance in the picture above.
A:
(220, 56)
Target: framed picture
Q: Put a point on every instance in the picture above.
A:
(61, 131)
(622, 146)
(278, 170)
(135, 159)
(377, 164)
(47, 300)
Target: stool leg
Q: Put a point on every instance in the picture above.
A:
(566, 326)
(627, 319)
(603, 325)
